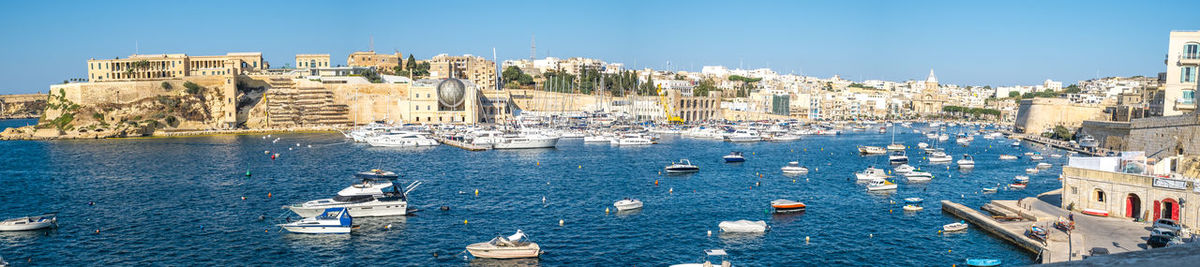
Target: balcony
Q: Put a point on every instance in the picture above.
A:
(1185, 104)
(1189, 59)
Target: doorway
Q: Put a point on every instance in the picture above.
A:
(1133, 206)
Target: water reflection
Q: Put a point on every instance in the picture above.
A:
(528, 262)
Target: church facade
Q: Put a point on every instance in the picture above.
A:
(930, 100)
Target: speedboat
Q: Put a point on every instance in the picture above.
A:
(43, 221)
(512, 247)
(912, 207)
(1007, 157)
(794, 168)
(966, 162)
(871, 150)
(734, 157)
(983, 262)
(918, 176)
(903, 169)
(1043, 165)
(370, 198)
(331, 221)
(707, 263)
(939, 157)
(954, 227)
(871, 173)
(743, 226)
(628, 204)
(683, 166)
(786, 206)
(898, 157)
(401, 139)
(880, 185)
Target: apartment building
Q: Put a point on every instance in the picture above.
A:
(478, 70)
(1183, 62)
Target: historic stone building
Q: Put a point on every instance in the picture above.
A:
(930, 100)
(383, 63)
(1099, 185)
(166, 66)
(309, 61)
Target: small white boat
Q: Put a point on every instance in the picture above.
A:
(966, 162)
(1016, 143)
(940, 157)
(912, 207)
(895, 147)
(1007, 157)
(922, 145)
(1021, 178)
(881, 185)
(954, 227)
(1036, 156)
(871, 150)
(918, 176)
(898, 157)
(332, 221)
(786, 205)
(903, 169)
(512, 247)
(785, 138)
(43, 221)
(1031, 170)
(990, 189)
(708, 263)
(743, 226)
(871, 173)
(683, 166)
(628, 204)
(598, 139)
(794, 168)
(1044, 165)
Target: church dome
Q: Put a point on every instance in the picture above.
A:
(450, 92)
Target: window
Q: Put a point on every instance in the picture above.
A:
(1191, 51)
(1187, 74)
(1099, 195)
(1189, 97)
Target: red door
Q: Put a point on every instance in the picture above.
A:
(1129, 207)
(1157, 209)
(1172, 206)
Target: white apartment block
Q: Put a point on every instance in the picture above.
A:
(1183, 61)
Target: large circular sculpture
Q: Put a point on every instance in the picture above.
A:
(450, 92)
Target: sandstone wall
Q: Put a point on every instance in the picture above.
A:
(1165, 136)
(368, 102)
(1035, 116)
(533, 100)
(1110, 135)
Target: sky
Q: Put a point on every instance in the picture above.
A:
(966, 42)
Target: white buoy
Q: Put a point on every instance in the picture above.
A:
(561, 222)
(871, 235)
(297, 144)
(671, 190)
(709, 232)
(543, 199)
(805, 239)
(309, 146)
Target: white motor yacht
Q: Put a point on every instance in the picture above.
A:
(526, 140)
(598, 139)
(486, 138)
(871, 173)
(794, 168)
(329, 221)
(903, 168)
(966, 162)
(743, 136)
(512, 247)
(683, 166)
(43, 221)
(708, 263)
(939, 156)
(631, 140)
(898, 157)
(401, 139)
(628, 204)
(367, 199)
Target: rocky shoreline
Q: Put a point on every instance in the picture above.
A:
(32, 133)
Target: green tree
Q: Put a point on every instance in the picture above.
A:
(705, 86)
(1014, 94)
(166, 86)
(193, 88)
(1072, 89)
(510, 74)
(411, 64)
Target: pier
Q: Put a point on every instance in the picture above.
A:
(1060, 144)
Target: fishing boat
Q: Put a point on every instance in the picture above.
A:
(512, 247)
(871, 150)
(743, 226)
(734, 157)
(955, 227)
(683, 166)
(966, 162)
(1007, 157)
(903, 169)
(794, 168)
(983, 262)
(871, 173)
(898, 157)
(331, 221)
(786, 206)
(1096, 212)
(628, 204)
(880, 185)
(29, 223)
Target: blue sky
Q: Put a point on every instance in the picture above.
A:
(966, 42)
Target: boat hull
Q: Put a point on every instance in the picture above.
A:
(330, 229)
(527, 144)
(487, 251)
(359, 210)
(26, 227)
(1095, 212)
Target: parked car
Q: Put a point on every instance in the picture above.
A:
(1157, 241)
(1168, 224)
(1164, 232)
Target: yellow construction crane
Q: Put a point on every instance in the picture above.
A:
(662, 97)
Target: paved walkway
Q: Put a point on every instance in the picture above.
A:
(1116, 235)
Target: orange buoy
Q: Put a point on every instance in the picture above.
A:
(656, 182)
(268, 194)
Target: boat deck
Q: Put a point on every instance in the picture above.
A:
(460, 144)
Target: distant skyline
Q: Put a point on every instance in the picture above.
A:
(996, 43)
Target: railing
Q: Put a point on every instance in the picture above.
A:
(1189, 57)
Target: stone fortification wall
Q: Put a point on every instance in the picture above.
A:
(1165, 136)
(1110, 134)
(1035, 116)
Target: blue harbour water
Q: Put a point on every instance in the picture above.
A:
(178, 201)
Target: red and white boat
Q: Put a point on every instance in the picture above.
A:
(785, 206)
(1096, 212)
